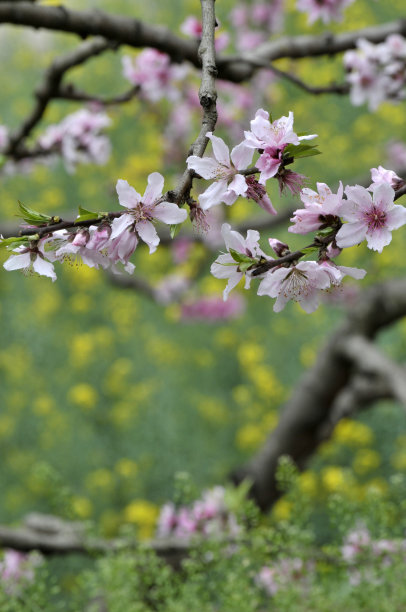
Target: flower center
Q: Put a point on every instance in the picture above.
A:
(295, 284)
(375, 218)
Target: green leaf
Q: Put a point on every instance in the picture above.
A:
(174, 229)
(240, 257)
(308, 250)
(32, 216)
(301, 150)
(87, 215)
(15, 241)
(245, 266)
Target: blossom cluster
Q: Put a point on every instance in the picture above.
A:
(17, 568)
(377, 73)
(366, 214)
(79, 139)
(359, 545)
(254, 22)
(108, 244)
(273, 578)
(207, 517)
(325, 10)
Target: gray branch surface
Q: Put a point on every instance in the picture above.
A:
(137, 34)
(307, 415)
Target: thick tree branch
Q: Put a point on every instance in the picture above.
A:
(303, 421)
(207, 95)
(135, 33)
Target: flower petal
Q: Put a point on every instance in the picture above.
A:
(351, 234)
(220, 149)
(396, 217)
(242, 155)
(206, 167)
(44, 268)
(213, 195)
(127, 196)
(16, 262)
(154, 189)
(120, 224)
(378, 239)
(168, 212)
(148, 234)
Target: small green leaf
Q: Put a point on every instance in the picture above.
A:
(301, 150)
(32, 216)
(15, 241)
(174, 229)
(245, 266)
(240, 257)
(308, 250)
(87, 215)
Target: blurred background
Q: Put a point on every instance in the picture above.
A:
(105, 394)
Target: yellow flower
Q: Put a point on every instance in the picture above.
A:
(333, 478)
(366, 460)
(282, 509)
(144, 514)
(353, 433)
(100, 479)
(250, 437)
(82, 507)
(126, 468)
(308, 483)
(84, 396)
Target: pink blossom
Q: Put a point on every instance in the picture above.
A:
(370, 217)
(193, 27)
(326, 10)
(153, 72)
(211, 309)
(301, 283)
(321, 209)
(271, 139)
(17, 568)
(381, 175)
(225, 265)
(142, 211)
(229, 184)
(30, 259)
(78, 139)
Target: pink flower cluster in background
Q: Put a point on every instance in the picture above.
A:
(363, 555)
(253, 22)
(281, 574)
(155, 75)
(79, 139)
(212, 308)
(377, 73)
(17, 568)
(325, 10)
(208, 516)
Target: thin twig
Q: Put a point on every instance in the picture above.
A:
(50, 86)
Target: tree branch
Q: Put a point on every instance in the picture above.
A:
(133, 32)
(50, 86)
(302, 424)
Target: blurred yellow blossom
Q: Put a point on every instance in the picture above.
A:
(366, 460)
(334, 478)
(83, 395)
(353, 433)
(282, 509)
(144, 514)
(82, 507)
(127, 468)
(250, 437)
(100, 479)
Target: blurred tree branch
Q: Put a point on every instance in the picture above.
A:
(309, 414)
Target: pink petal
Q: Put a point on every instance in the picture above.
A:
(220, 149)
(213, 195)
(396, 217)
(148, 234)
(168, 212)
(351, 234)
(206, 167)
(154, 189)
(220, 267)
(360, 195)
(241, 156)
(232, 282)
(379, 239)
(383, 196)
(127, 196)
(120, 224)
(238, 185)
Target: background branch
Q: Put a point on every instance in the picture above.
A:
(307, 414)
